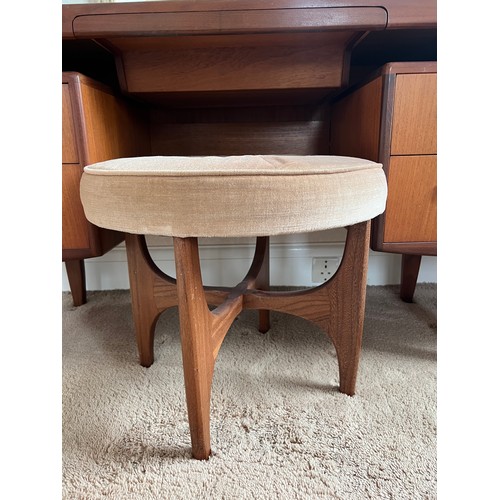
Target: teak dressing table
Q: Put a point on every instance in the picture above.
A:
(227, 77)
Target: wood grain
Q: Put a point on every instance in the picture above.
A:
(288, 39)
(113, 129)
(235, 68)
(400, 13)
(230, 21)
(337, 306)
(75, 231)
(143, 275)
(104, 127)
(395, 110)
(69, 147)
(355, 126)
(414, 127)
(240, 130)
(197, 357)
(199, 139)
(96, 125)
(411, 213)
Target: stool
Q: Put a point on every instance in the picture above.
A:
(235, 196)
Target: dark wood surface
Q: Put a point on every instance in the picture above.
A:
(241, 63)
(245, 101)
(76, 277)
(240, 95)
(410, 266)
(225, 22)
(188, 49)
(400, 13)
(272, 129)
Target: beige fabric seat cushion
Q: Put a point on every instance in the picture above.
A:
(232, 195)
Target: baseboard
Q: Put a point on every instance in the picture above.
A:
(225, 265)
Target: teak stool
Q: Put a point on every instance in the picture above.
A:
(261, 196)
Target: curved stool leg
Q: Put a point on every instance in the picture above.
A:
(147, 305)
(144, 311)
(197, 355)
(336, 306)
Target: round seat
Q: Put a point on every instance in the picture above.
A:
(191, 197)
(254, 195)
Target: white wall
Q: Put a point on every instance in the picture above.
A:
(224, 262)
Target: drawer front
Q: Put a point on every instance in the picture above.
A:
(411, 212)
(75, 227)
(69, 148)
(414, 123)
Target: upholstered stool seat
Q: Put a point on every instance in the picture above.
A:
(232, 196)
(191, 197)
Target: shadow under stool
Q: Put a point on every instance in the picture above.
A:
(236, 196)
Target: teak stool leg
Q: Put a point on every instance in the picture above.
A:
(347, 297)
(151, 293)
(262, 283)
(197, 354)
(337, 306)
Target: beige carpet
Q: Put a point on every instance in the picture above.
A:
(280, 428)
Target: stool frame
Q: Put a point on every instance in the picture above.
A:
(336, 306)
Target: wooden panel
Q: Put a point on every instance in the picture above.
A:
(240, 130)
(414, 129)
(112, 128)
(69, 148)
(192, 139)
(412, 199)
(235, 68)
(262, 40)
(106, 127)
(401, 13)
(355, 128)
(230, 21)
(75, 231)
(234, 98)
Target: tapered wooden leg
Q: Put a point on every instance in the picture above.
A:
(197, 352)
(410, 265)
(347, 299)
(262, 283)
(75, 270)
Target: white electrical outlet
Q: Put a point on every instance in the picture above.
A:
(323, 268)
